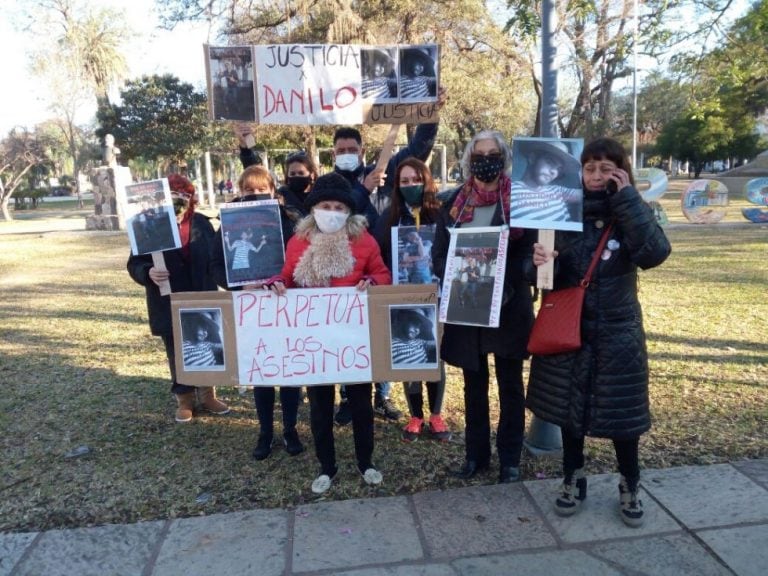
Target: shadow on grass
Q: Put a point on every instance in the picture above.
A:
(757, 346)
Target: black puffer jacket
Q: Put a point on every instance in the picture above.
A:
(462, 345)
(186, 274)
(602, 390)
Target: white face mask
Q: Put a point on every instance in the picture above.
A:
(330, 221)
(347, 162)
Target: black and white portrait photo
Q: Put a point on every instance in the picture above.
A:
(202, 339)
(546, 188)
(413, 336)
(418, 73)
(379, 74)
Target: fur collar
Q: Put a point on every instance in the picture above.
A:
(327, 256)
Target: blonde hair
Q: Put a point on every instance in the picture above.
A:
(259, 175)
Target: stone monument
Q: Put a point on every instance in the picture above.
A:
(105, 180)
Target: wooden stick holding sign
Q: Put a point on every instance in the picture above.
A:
(546, 272)
(386, 150)
(159, 262)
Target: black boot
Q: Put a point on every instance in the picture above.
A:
(292, 443)
(469, 469)
(263, 447)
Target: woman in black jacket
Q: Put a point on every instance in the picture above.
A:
(484, 201)
(602, 389)
(256, 183)
(415, 195)
(187, 271)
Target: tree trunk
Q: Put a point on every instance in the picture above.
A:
(4, 209)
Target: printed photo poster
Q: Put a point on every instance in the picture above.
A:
(230, 83)
(412, 254)
(419, 73)
(308, 84)
(252, 240)
(474, 276)
(202, 337)
(546, 191)
(413, 336)
(379, 70)
(305, 337)
(149, 217)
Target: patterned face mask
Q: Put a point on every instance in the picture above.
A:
(486, 168)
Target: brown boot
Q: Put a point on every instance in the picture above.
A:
(185, 406)
(207, 398)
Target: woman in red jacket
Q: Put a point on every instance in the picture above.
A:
(331, 247)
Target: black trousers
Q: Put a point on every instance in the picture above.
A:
(627, 456)
(511, 428)
(264, 399)
(321, 400)
(170, 354)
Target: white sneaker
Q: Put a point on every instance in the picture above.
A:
(322, 483)
(372, 477)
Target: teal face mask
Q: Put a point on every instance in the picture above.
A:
(414, 195)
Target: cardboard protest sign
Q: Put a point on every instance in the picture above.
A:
(252, 240)
(300, 84)
(546, 191)
(229, 71)
(149, 217)
(306, 337)
(405, 333)
(204, 333)
(474, 276)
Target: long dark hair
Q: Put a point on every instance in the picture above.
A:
(608, 149)
(430, 204)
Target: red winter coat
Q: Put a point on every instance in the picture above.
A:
(365, 251)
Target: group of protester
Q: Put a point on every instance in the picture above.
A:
(337, 234)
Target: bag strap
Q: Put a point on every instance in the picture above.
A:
(598, 251)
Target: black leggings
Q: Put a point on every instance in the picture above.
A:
(627, 455)
(264, 399)
(415, 397)
(321, 400)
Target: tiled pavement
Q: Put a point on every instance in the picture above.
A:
(701, 520)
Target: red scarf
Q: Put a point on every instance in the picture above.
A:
(463, 209)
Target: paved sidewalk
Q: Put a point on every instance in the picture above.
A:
(701, 520)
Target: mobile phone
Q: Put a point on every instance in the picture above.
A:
(611, 187)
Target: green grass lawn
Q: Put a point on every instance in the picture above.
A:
(79, 368)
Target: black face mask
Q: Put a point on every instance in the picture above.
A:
(255, 197)
(179, 206)
(486, 168)
(298, 184)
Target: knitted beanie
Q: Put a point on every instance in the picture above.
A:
(331, 187)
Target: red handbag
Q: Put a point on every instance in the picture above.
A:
(557, 328)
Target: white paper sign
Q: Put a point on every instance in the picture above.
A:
(307, 336)
(473, 283)
(308, 84)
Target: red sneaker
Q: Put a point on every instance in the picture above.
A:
(437, 428)
(413, 429)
